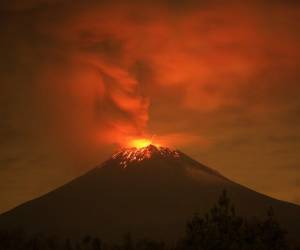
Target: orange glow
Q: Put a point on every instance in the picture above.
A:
(140, 143)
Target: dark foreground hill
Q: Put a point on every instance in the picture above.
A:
(150, 192)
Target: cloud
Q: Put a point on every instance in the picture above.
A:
(101, 72)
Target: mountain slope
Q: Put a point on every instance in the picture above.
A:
(149, 192)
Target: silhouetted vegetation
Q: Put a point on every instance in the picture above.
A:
(219, 229)
(222, 229)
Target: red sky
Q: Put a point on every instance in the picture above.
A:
(218, 79)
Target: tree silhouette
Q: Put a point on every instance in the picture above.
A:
(219, 229)
(222, 229)
(271, 233)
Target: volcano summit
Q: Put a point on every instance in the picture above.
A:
(130, 156)
(149, 192)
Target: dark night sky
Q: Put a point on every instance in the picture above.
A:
(217, 79)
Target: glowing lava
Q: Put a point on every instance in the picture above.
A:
(135, 154)
(140, 143)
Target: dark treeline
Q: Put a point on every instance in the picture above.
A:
(219, 229)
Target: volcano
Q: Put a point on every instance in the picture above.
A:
(148, 192)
